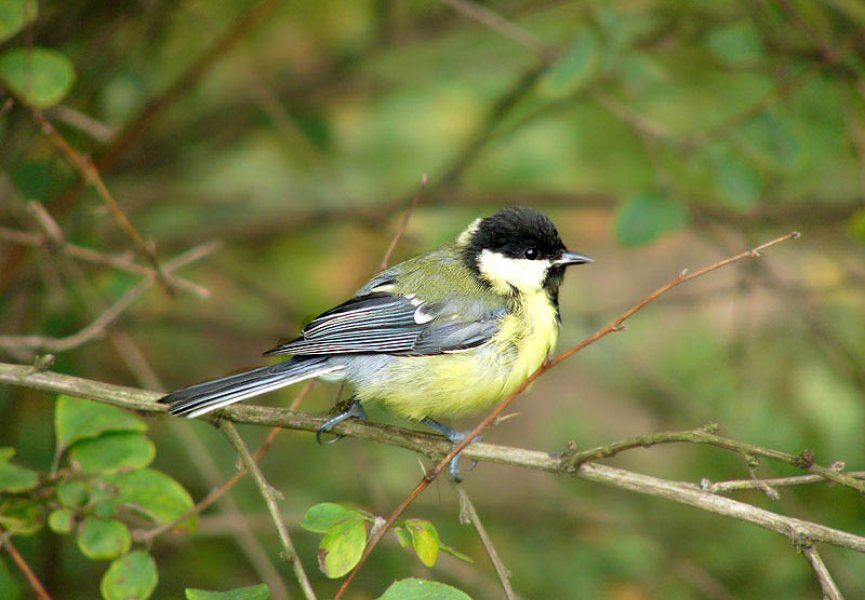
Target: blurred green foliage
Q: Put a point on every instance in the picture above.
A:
(659, 135)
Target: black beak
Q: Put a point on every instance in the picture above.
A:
(571, 258)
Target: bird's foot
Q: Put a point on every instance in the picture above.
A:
(354, 411)
(455, 437)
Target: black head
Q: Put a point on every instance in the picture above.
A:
(519, 247)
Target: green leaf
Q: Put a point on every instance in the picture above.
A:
(255, 592)
(72, 493)
(103, 539)
(76, 419)
(322, 517)
(421, 589)
(341, 548)
(738, 181)
(574, 67)
(131, 577)
(424, 540)
(14, 478)
(39, 77)
(112, 452)
(402, 536)
(155, 495)
(14, 15)
(642, 219)
(61, 520)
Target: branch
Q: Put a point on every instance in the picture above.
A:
(82, 253)
(90, 174)
(403, 224)
(468, 514)
(827, 584)
(706, 435)
(107, 317)
(616, 325)
(433, 445)
(267, 492)
(32, 579)
(137, 127)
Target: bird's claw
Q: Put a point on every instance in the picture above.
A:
(354, 411)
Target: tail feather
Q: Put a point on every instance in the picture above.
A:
(206, 397)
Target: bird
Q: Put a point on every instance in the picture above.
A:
(449, 332)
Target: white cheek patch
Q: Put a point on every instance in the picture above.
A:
(522, 273)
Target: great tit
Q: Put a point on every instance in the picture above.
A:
(452, 331)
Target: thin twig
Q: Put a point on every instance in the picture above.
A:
(99, 325)
(706, 435)
(267, 493)
(121, 262)
(827, 583)
(616, 325)
(467, 508)
(214, 495)
(223, 489)
(90, 174)
(495, 22)
(733, 485)
(32, 579)
(403, 224)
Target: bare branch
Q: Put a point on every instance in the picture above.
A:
(403, 224)
(827, 584)
(121, 262)
(98, 326)
(267, 492)
(90, 174)
(470, 515)
(432, 445)
(32, 579)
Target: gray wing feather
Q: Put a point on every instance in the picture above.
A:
(381, 323)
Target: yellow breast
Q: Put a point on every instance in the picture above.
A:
(449, 385)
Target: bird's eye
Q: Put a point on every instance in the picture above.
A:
(532, 253)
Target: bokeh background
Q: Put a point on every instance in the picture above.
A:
(658, 134)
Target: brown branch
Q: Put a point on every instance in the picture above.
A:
(32, 579)
(827, 584)
(90, 174)
(616, 325)
(121, 262)
(403, 224)
(99, 325)
(468, 514)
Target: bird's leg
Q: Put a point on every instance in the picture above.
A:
(455, 437)
(354, 410)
